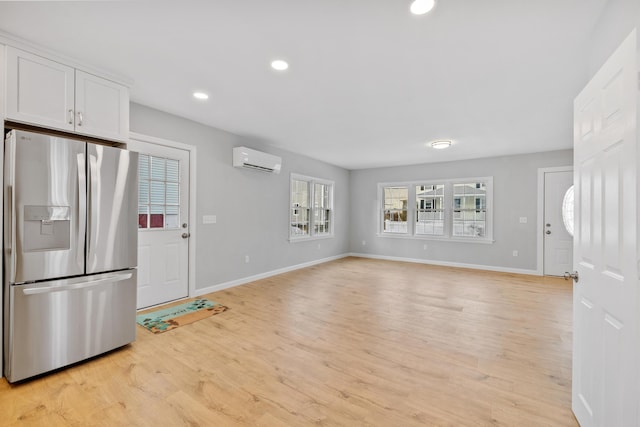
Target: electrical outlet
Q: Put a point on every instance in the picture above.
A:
(318, 246)
(424, 247)
(246, 259)
(515, 253)
(364, 243)
(523, 220)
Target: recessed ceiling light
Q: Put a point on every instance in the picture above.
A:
(200, 95)
(420, 7)
(440, 145)
(279, 65)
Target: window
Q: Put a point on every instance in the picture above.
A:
(311, 208)
(567, 210)
(396, 201)
(456, 209)
(299, 208)
(158, 192)
(430, 210)
(321, 208)
(470, 209)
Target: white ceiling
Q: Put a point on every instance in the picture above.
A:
(368, 85)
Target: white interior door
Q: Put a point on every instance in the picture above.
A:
(558, 243)
(605, 307)
(163, 224)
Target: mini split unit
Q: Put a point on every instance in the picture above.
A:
(244, 157)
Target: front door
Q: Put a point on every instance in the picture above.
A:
(163, 228)
(558, 243)
(605, 306)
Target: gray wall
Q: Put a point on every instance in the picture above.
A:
(251, 207)
(618, 19)
(515, 194)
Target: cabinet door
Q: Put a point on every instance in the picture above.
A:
(102, 107)
(39, 91)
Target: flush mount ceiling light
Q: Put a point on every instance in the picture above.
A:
(420, 7)
(440, 145)
(200, 95)
(279, 65)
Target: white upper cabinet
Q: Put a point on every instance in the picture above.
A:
(39, 91)
(46, 93)
(102, 107)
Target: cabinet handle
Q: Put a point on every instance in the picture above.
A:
(70, 117)
(80, 117)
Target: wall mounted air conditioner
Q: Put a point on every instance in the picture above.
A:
(244, 157)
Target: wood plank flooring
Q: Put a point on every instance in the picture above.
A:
(354, 342)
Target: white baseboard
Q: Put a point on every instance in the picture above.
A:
(450, 264)
(244, 280)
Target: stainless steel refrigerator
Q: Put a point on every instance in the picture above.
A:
(70, 251)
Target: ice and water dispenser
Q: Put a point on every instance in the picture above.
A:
(47, 228)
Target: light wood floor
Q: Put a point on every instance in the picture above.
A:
(353, 342)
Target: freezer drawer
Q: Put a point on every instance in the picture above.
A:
(56, 323)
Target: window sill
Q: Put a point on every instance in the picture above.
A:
(309, 238)
(482, 241)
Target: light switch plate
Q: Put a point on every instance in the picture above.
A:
(523, 220)
(209, 219)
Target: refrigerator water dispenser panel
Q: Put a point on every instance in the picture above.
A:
(47, 228)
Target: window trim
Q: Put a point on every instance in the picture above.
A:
(448, 210)
(311, 199)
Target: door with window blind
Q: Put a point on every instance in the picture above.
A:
(163, 226)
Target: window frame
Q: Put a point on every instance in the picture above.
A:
(414, 191)
(311, 182)
(462, 209)
(383, 210)
(449, 208)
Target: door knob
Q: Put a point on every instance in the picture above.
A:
(548, 232)
(186, 235)
(573, 276)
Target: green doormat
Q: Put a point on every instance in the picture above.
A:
(165, 319)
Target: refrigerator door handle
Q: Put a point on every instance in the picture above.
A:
(12, 244)
(77, 284)
(82, 206)
(93, 210)
(10, 152)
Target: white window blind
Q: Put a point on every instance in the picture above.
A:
(158, 192)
